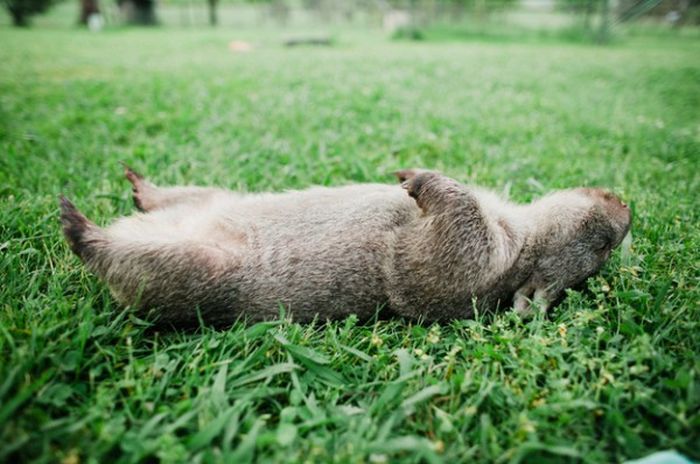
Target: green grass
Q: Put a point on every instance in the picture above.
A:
(612, 374)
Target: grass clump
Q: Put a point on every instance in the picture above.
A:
(612, 374)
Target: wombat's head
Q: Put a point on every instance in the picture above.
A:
(576, 233)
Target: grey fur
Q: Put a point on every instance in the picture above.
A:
(437, 253)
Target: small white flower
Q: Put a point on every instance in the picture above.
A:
(378, 458)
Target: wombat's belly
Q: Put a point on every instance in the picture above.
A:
(324, 257)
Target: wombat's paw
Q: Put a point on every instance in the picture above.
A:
(527, 299)
(134, 177)
(415, 182)
(405, 174)
(141, 188)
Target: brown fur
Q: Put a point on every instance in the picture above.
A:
(437, 253)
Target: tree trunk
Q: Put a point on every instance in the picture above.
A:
(279, 10)
(604, 32)
(140, 12)
(19, 19)
(87, 8)
(587, 14)
(213, 18)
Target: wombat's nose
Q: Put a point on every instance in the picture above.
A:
(605, 197)
(619, 207)
(624, 215)
(617, 210)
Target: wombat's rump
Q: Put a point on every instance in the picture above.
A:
(434, 249)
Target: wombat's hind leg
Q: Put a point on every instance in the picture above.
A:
(82, 235)
(144, 193)
(149, 197)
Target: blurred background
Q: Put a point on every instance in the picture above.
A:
(520, 96)
(572, 20)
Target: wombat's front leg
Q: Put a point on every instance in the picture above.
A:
(527, 297)
(440, 260)
(537, 293)
(148, 197)
(435, 193)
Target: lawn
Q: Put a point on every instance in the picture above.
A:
(613, 373)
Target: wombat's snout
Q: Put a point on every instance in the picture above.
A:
(618, 212)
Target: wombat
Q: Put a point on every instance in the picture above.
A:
(431, 248)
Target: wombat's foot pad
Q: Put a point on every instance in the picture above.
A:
(141, 188)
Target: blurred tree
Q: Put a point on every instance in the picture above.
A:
(585, 8)
(478, 8)
(280, 11)
(675, 12)
(604, 31)
(88, 8)
(141, 12)
(213, 17)
(22, 10)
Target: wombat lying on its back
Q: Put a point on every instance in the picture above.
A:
(437, 252)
